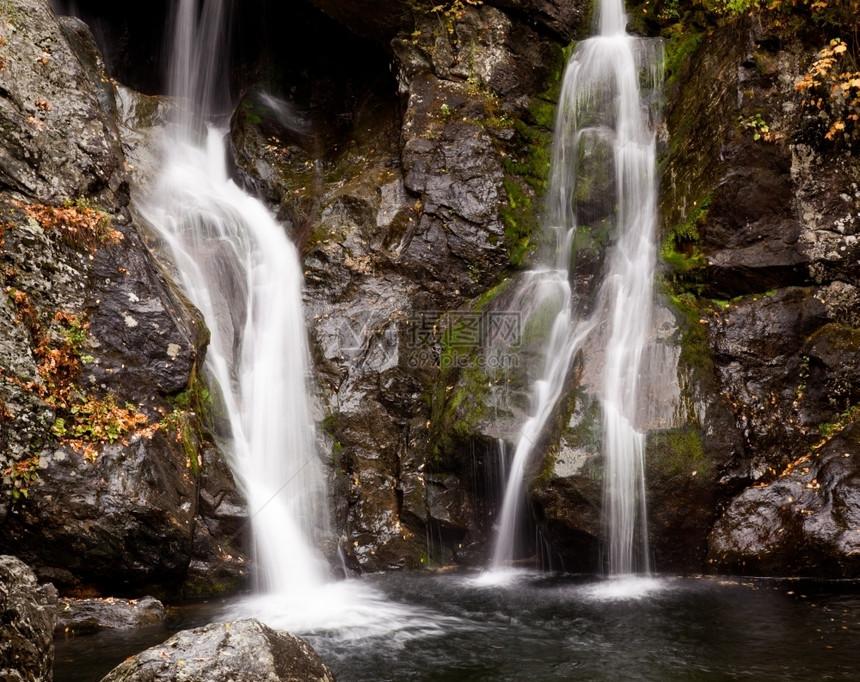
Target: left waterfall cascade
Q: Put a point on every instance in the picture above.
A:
(235, 262)
(238, 267)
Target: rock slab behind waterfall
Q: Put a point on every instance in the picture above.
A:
(244, 650)
(27, 616)
(83, 615)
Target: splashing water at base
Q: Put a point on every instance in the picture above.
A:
(624, 587)
(345, 611)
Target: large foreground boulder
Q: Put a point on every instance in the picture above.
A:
(246, 650)
(27, 616)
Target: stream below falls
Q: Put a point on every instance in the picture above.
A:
(458, 627)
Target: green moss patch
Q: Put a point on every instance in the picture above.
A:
(680, 249)
(676, 452)
(695, 346)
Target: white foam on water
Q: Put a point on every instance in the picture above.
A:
(344, 611)
(624, 588)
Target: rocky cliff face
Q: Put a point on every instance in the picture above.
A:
(407, 158)
(407, 211)
(769, 266)
(102, 449)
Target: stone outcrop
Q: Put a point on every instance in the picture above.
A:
(27, 626)
(803, 522)
(75, 616)
(49, 101)
(220, 652)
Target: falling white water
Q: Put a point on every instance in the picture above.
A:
(549, 287)
(600, 109)
(238, 267)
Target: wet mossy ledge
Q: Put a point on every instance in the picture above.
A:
(460, 399)
(527, 172)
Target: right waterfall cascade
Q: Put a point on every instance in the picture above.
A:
(602, 191)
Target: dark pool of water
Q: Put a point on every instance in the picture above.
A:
(450, 627)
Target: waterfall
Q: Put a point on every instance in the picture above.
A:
(236, 264)
(603, 137)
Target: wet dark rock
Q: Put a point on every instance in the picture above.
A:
(359, 296)
(220, 652)
(142, 344)
(752, 235)
(89, 56)
(122, 521)
(218, 563)
(805, 522)
(454, 168)
(27, 626)
(777, 357)
(567, 509)
(485, 49)
(701, 114)
(685, 484)
(565, 20)
(833, 356)
(827, 202)
(757, 346)
(275, 155)
(771, 215)
(143, 121)
(146, 332)
(89, 615)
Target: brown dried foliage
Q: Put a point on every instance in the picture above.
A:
(79, 224)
